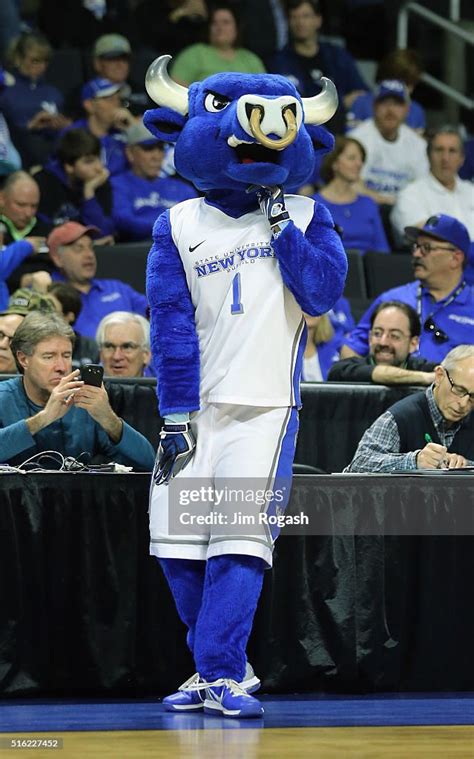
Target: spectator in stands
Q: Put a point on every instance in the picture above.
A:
(306, 59)
(107, 120)
(111, 60)
(393, 338)
(140, 194)
(222, 53)
(74, 185)
(325, 337)
(49, 408)
(70, 248)
(321, 348)
(21, 303)
(31, 106)
(357, 215)
(440, 295)
(9, 156)
(19, 202)
(12, 256)
(396, 155)
(432, 429)
(86, 350)
(404, 65)
(124, 342)
(176, 25)
(441, 189)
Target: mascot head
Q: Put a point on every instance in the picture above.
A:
(236, 130)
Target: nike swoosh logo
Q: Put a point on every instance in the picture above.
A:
(192, 249)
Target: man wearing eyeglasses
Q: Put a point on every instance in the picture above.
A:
(394, 336)
(440, 295)
(427, 430)
(124, 342)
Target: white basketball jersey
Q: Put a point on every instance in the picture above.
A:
(249, 325)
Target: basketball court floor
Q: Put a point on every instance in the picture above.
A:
(391, 726)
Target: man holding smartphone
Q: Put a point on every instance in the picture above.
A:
(50, 408)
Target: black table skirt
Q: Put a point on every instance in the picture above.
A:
(84, 609)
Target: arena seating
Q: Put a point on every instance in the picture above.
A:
(383, 272)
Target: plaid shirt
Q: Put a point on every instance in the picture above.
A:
(378, 450)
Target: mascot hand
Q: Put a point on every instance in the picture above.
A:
(176, 449)
(272, 205)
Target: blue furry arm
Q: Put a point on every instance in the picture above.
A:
(313, 265)
(174, 340)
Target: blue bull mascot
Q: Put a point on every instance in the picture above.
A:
(229, 276)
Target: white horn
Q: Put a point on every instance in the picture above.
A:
(162, 89)
(321, 107)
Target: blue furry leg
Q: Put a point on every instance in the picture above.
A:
(232, 587)
(185, 578)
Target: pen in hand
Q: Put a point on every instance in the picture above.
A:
(443, 463)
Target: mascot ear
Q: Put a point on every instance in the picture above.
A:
(164, 123)
(323, 141)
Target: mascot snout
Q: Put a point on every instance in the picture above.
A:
(261, 117)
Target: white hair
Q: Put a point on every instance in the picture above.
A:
(124, 317)
(451, 360)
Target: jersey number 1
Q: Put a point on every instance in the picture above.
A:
(236, 306)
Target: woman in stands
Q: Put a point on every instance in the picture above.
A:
(325, 336)
(356, 214)
(223, 53)
(31, 106)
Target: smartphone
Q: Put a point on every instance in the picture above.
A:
(92, 374)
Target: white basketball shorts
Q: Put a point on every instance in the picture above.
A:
(245, 447)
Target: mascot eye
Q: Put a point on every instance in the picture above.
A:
(214, 103)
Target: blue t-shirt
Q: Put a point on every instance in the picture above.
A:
(360, 222)
(75, 433)
(137, 202)
(10, 257)
(456, 320)
(105, 296)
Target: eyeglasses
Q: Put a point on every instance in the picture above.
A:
(438, 335)
(461, 392)
(426, 247)
(392, 334)
(3, 336)
(127, 348)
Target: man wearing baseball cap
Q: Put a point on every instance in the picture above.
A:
(106, 119)
(396, 155)
(20, 303)
(70, 248)
(140, 194)
(111, 60)
(440, 294)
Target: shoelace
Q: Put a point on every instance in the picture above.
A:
(194, 683)
(232, 685)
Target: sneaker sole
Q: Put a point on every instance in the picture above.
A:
(177, 708)
(212, 707)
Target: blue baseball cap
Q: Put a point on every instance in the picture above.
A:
(443, 227)
(392, 88)
(99, 88)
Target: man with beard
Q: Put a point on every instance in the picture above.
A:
(440, 295)
(394, 336)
